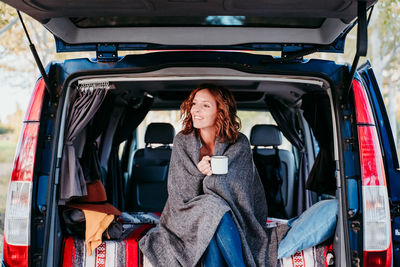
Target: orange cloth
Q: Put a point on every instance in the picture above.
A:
(96, 224)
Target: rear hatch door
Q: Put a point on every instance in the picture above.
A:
(288, 26)
(389, 152)
(385, 132)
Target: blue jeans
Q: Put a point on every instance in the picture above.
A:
(225, 248)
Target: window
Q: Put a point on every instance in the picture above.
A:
(196, 21)
(248, 119)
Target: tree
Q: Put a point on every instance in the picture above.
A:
(384, 53)
(4, 130)
(385, 48)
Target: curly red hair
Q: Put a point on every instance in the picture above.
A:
(227, 122)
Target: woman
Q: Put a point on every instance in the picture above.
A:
(217, 219)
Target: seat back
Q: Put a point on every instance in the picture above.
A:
(150, 170)
(276, 169)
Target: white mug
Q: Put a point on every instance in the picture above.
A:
(219, 164)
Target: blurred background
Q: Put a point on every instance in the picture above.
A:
(18, 73)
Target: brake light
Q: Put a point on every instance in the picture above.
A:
(18, 209)
(35, 106)
(376, 213)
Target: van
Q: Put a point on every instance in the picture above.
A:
(113, 117)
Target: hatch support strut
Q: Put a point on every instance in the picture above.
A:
(37, 59)
(362, 38)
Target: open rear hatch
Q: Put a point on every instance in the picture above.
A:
(288, 25)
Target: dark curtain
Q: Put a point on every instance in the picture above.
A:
(318, 115)
(84, 107)
(115, 115)
(114, 177)
(107, 140)
(89, 160)
(285, 118)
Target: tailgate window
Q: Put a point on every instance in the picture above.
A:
(248, 119)
(195, 21)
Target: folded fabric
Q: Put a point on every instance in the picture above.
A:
(74, 221)
(114, 231)
(110, 253)
(314, 226)
(318, 256)
(96, 224)
(146, 262)
(274, 222)
(139, 218)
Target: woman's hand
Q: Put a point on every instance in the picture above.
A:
(204, 165)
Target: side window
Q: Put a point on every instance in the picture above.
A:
(248, 119)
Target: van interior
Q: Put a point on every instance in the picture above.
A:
(124, 133)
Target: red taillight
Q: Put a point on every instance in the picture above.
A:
(370, 156)
(363, 109)
(35, 106)
(377, 235)
(378, 258)
(18, 209)
(25, 155)
(15, 255)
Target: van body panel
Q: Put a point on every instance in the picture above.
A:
(349, 241)
(257, 64)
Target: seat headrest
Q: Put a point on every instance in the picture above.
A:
(159, 133)
(265, 135)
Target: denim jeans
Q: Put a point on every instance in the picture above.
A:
(225, 248)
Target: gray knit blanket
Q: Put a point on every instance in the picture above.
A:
(196, 204)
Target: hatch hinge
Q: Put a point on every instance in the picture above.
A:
(106, 52)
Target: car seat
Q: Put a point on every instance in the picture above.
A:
(150, 170)
(276, 169)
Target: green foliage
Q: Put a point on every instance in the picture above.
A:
(389, 24)
(4, 130)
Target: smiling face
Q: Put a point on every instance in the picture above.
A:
(211, 111)
(204, 110)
